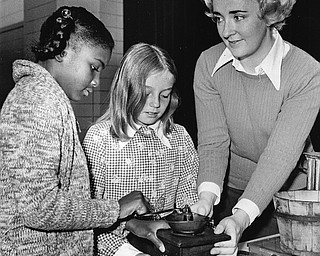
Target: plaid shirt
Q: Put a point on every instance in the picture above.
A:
(166, 175)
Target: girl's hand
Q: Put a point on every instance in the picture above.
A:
(133, 202)
(233, 226)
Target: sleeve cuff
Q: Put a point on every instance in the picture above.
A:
(249, 207)
(127, 250)
(210, 187)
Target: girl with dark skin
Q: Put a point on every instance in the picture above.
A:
(45, 207)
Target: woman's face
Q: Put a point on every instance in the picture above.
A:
(79, 70)
(158, 95)
(246, 35)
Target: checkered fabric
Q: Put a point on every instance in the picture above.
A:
(164, 175)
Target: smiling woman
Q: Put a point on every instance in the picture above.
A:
(242, 31)
(251, 92)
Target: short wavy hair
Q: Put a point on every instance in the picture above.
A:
(273, 12)
(128, 90)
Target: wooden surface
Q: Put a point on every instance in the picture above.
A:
(267, 247)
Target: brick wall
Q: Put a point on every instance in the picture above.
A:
(110, 12)
(11, 42)
(11, 48)
(11, 12)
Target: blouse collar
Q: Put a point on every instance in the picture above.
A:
(158, 129)
(271, 65)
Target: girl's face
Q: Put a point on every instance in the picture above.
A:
(158, 92)
(79, 71)
(246, 35)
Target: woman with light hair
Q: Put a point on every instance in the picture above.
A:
(257, 98)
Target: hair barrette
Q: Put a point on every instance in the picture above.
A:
(94, 84)
(66, 13)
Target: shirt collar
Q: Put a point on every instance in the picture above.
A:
(157, 127)
(271, 65)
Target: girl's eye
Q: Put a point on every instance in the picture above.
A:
(94, 68)
(166, 96)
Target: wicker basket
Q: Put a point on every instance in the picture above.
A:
(298, 218)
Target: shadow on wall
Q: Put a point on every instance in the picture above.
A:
(303, 30)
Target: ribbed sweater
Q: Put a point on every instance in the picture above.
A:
(45, 205)
(249, 128)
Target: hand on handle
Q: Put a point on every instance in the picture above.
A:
(133, 202)
(204, 206)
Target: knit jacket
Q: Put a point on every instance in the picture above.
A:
(45, 205)
(249, 133)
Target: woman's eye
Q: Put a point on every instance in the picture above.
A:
(238, 17)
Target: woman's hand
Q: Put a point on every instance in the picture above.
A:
(133, 202)
(148, 229)
(204, 206)
(233, 226)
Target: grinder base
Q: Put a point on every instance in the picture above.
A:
(186, 245)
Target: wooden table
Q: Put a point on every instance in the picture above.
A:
(180, 245)
(269, 246)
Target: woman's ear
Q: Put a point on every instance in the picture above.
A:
(60, 57)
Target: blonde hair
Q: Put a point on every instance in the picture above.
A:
(128, 95)
(274, 12)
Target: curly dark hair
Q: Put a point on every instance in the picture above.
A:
(71, 25)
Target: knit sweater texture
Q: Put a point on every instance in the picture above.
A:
(250, 134)
(45, 205)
